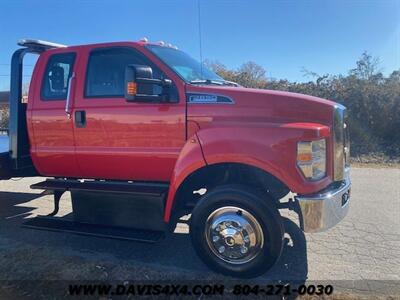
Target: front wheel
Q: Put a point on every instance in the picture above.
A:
(237, 231)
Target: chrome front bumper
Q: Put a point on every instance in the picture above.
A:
(323, 210)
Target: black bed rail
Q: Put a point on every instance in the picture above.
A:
(17, 131)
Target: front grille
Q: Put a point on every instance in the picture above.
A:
(340, 142)
(346, 141)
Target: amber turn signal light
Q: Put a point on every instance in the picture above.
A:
(131, 88)
(304, 157)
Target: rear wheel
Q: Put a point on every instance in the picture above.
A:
(237, 231)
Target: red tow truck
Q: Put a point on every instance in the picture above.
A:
(141, 134)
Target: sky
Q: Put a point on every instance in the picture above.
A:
(282, 36)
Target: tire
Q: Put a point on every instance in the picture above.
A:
(237, 231)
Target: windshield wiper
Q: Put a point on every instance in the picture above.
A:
(206, 81)
(216, 82)
(232, 83)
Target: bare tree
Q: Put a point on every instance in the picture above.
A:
(367, 66)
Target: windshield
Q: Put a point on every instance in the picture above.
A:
(188, 68)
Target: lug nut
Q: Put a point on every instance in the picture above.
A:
(215, 238)
(221, 249)
(243, 249)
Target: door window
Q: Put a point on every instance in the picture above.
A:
(106, 71)
(56, 77)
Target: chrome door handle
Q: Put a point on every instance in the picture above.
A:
(68, 102)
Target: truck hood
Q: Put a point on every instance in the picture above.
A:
(238, 104)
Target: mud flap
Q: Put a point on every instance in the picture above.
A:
(119, 209)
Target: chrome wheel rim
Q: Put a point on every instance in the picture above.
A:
(234, 235)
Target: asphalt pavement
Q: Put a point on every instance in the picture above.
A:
(360, 256)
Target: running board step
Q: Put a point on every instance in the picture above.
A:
(57, 224)
(153, 189)
(138, 205)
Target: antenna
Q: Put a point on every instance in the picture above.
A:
(200, 44)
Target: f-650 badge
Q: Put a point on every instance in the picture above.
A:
(208, 98)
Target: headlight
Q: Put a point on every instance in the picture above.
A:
(311, 159)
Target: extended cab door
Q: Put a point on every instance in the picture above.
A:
(116, 139)
(51, 130)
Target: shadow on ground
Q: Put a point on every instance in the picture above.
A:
(174, 254)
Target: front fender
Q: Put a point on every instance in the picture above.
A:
(271, 147)
(189, 160)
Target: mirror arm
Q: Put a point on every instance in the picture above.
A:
(162, 82)
(166, 82)
(149, 81)
(146, 98)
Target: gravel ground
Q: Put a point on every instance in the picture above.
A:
(360, 257)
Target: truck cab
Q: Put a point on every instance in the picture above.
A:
(146, 116)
